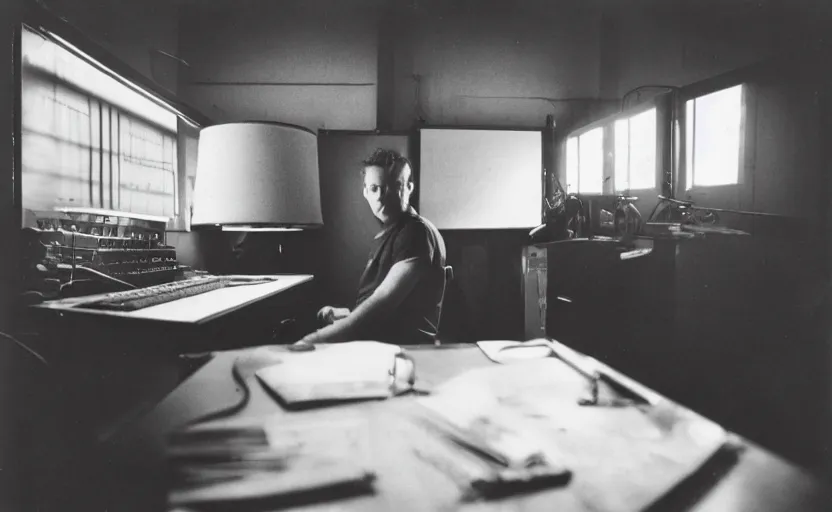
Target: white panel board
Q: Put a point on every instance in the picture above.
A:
(481, 179)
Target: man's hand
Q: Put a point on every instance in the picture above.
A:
(346, 325)
(329, 315)
(301, 346)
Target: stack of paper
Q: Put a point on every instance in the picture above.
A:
(621, 458)
(346, 371)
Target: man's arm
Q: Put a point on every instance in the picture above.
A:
(398, 283)
(329, 314)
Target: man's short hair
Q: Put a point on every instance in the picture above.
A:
(391, 162)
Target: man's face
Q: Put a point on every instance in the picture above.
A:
(388, 196)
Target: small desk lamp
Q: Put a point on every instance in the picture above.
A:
(257, 176)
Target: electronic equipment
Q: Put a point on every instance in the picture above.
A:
(131, 300)
(123, 249)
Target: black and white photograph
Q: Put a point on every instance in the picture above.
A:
(416, 256)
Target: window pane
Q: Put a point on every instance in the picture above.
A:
(572, 165)
(716, 142)
(622, 155)
(89, 141)
(591, 168)
(643, 150)
(689, 124)
(148, 177)
(41, 54)
(55, 139)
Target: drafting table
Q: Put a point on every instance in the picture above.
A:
(757, 480)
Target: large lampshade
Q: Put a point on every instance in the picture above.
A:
(257, 175)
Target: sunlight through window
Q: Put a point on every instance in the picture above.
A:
(572, 165)
(713, 136)
(622, 154)
(643, 150)
(591, 162)
(635, 152)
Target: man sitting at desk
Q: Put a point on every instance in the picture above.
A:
(403, 281)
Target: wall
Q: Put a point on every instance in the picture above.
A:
(493, 64)
(478, 63)
(132, 31)
(683, 41)
(306, 63)
(677, 47)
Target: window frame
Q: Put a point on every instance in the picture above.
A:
(39, 19)
(663, 105)
(728, 195)
(577, 135)
(657, 175)
(115, 114)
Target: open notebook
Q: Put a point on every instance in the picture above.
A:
(345, 371)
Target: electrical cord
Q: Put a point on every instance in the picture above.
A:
(25, 347)
(244, 400)
(666, 88)
(99, 274)
(231, 410)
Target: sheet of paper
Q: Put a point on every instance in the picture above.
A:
(359, 369)
(622, 458)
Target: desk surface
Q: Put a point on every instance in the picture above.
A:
(758, 481)
(196, 309)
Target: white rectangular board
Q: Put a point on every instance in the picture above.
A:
(481, 179)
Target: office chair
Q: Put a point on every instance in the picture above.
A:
(447, 278)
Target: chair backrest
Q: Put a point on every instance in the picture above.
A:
(449, 276)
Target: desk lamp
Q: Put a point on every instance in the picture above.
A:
(257, 176)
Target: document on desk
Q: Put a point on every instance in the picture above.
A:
(287, 458)
(621, 458)
(345, 371)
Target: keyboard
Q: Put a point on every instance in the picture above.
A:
(131, 300)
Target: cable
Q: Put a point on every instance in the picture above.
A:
(100, 274)
(667, 88)
(25, 347)
(231, 410)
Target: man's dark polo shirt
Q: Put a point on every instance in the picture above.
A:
(411, 237)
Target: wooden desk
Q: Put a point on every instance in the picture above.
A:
(196, 309)
(758, 481)
(209, 321)
(107, 369)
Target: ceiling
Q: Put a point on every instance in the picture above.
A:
(808, 10)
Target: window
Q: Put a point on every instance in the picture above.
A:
(635, 152)
(713, 131)
(585, 162)
(90, 141)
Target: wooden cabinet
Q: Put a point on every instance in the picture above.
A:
(727, 325)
